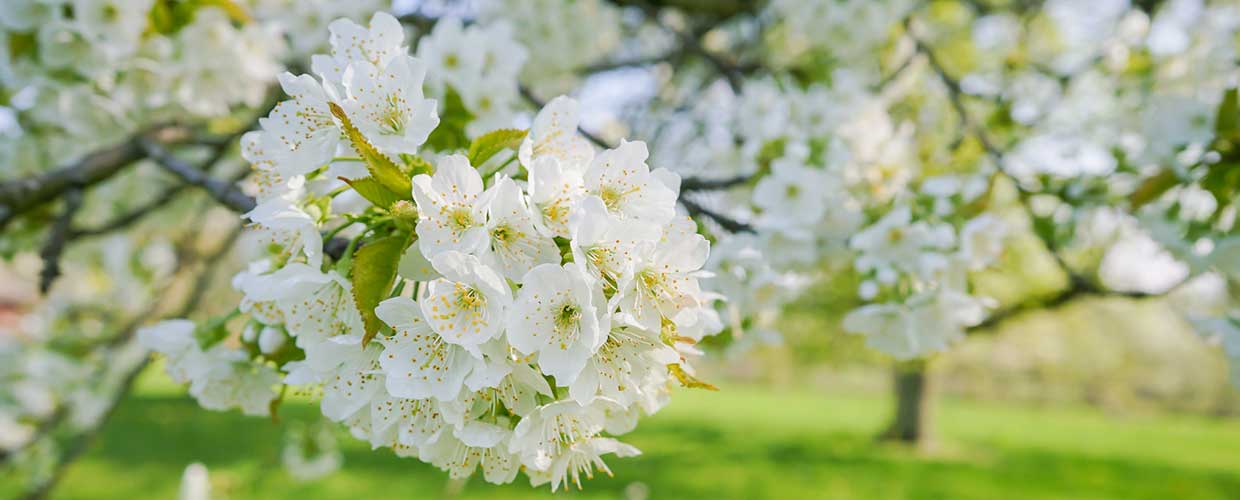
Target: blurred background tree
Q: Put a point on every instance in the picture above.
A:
(1068, 170)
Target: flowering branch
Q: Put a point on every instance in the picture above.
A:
(1078, 285)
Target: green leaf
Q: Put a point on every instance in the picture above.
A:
(374, 270)
(1227, 122)
(234, 10)
(1153, 187)
(382, 168)
(687, 380)
(22, 45)
(1222, 180)
(491, 143)
(374, 192)
(450, 134)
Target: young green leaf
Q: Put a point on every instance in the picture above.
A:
(374, 192)
(374, 270)
(489, 144)
(450, 134)
(234, 10)
(687, 380)
(1227, 122)
(382, 168)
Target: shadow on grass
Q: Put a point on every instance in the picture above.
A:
(151, 440)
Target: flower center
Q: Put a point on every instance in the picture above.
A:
(556, 212)
(461, 218)
(567, 316)
(394, 117)
(611, 197)
(469, 298)
(503, 234)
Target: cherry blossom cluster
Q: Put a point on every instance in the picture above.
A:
(512, 305)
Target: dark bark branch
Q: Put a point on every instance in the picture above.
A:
(697, 184)
(956, 96)
(226, 193)
(20, 195)
(57, 238)
(600, 67)
(732, 225)
(718, 9)
(1077, 289)
(218, 150)
(534, 101)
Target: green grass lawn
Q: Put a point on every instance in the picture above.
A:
(738, 443)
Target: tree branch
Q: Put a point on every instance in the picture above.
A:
(732, 225)
(690, 184)
(218, 150)
(57, 238)
(20, 195)
(226, 193)
(690, 43)
(534, 101)
(719, 9)
(1077, 290)
(602, 66)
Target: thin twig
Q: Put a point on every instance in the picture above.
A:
(131, 217)
(539, 103)
(56, 239)
(226, 193)
(649, 60)
(728, 223)
(697, 184)
(690, 42)
(954, 95)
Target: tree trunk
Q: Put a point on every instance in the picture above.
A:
(913, 420)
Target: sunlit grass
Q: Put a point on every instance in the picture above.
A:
(738, 443)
